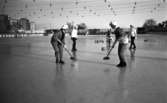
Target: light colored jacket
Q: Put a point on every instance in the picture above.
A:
(133, 32)
(74, 33)
(124, 39)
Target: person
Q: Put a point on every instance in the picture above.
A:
(122, 38)
(57, 42)
(133, 36)
(108, 39)
(74, 36)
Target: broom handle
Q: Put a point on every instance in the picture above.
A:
(64, 47)
(109, 52)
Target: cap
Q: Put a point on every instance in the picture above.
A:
(131, 26)
(64, 27)
(113, 23)
(75, 26)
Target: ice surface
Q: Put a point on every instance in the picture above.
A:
(29, 74)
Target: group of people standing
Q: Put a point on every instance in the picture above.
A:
(133, 36)
(121, 37)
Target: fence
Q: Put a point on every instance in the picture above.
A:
(20, 35)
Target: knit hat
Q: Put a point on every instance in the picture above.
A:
(113, 23)
(64, 27)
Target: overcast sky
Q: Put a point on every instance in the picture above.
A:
(95, 13)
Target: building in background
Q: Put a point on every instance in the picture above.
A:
(4, 24)
(14, 25)
(32, 26)
(24, 23)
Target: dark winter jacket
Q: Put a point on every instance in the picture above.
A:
(60, 35)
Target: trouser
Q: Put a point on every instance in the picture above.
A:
(58, 48)
(132, 44)
(121, 52)
(108, 44)
(74, 43)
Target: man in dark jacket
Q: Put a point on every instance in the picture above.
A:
(58, 41)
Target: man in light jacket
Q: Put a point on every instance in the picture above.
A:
(74, 36)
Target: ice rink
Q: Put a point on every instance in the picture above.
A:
(29, 74)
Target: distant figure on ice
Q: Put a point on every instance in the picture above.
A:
(122, 38)
(133, 36)
(57, 41)
(108, 39)
(74, 36)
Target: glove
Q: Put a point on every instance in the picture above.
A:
(65, 46)
(113, 46)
